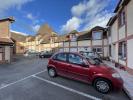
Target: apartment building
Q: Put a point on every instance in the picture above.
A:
(6, 43)
(120, 35)
(18, 38)
(93, 40)
(48, 40)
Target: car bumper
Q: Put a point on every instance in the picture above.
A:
(117, 84)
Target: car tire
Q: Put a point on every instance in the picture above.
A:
(102, 85)
(52, 72)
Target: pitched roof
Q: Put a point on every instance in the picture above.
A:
(97, 28)
(30, 38)
(121, 3)
(46, 39)
(73, 32)
(6, 41)
(18, 37)
(86, 35)
(11, 19)
(112, 20)
(44, 29)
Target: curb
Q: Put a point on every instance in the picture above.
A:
(128, 93)
(125, 90)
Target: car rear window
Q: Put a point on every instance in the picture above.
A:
(61, 57)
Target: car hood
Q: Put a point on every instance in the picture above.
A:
(104, 69)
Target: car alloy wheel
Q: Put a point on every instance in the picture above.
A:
(52, 72)
(102, 85)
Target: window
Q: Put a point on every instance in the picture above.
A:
(75, 59)
(110, 50)
(1, 49)
(98, 50)
(73, 37)
(97, 35)
(109, 31)
(61, 57)
(122, 50)
(121, 18)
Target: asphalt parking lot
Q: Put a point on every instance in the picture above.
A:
(27, 79)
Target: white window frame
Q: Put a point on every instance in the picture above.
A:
(123, 50)
(97, 49)
(94, 37)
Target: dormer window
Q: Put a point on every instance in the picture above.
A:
(73, 37)
(97, 35)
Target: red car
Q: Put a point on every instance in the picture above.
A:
(78, 67)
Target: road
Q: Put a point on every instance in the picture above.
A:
(27, 79)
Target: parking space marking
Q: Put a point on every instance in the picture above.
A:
(67, 88)
(21, 79)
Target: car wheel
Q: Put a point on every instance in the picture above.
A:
(102, 85)
(52, 72)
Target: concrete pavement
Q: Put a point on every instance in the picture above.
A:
(27, 79)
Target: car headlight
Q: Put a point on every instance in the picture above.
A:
(115, 75)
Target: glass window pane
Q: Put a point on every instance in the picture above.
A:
(61, 57)
(97, 35)
(73, 58)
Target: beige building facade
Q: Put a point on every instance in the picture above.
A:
(6, 43)
(120, 38)
(93, 40)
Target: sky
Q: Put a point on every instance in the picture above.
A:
(62, 15)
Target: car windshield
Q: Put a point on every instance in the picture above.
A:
(88, 57)
(93, 62)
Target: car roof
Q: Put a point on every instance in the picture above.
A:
(67, 52)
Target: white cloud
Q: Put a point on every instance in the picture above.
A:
(7, 4)
(30, 16)
(71, 24)
(36, 28)
(98, 20)
(92, 12)
(19, 32)
(79, 9)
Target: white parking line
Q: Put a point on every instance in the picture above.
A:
(67, 88)
(21, 79)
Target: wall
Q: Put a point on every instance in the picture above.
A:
(105, 51)
(84, 43)
(66, 44)
(114, 52)
(19, 48)
(73, 44)
(96, 42)
(129, 33)
(114, 32)
(4, 29)
(7, 53)
(130, 18)
(122, 32)
(0, 56)
(130, 53)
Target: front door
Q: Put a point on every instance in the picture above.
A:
(76, 70)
